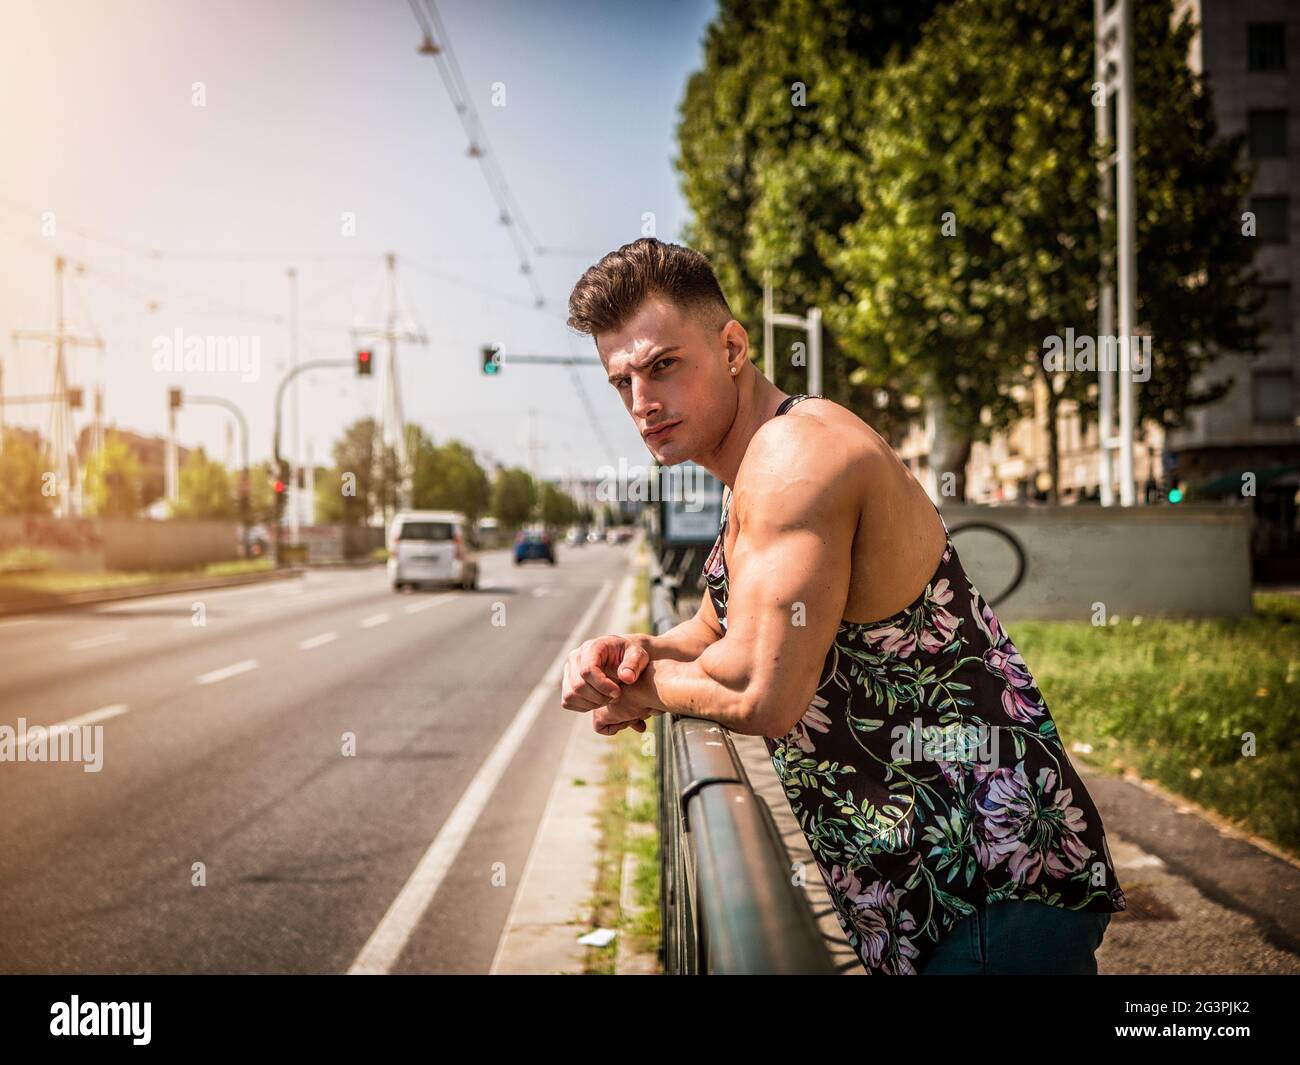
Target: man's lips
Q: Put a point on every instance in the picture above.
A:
(658, 430)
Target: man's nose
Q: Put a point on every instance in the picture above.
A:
(644, 403)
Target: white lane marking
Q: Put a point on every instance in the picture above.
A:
(388, 940)
(97, 641)
(317, 641)
(102, 714)
(424, 604)
(373, 620)
(229, 671)
(541, 591)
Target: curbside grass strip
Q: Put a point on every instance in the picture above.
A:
(70, 600)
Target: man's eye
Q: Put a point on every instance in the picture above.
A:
(664, 362)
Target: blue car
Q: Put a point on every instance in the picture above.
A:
(534, 545)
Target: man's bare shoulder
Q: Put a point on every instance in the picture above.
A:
(818, 456)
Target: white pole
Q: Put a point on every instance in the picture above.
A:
(814, 351)
(1127, 258)
(769, 329)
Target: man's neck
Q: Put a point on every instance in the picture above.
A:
(758, 400)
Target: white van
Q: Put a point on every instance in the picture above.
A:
(432, 547)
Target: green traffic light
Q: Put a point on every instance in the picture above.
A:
(1175, 495)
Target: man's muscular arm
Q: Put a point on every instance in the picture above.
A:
(796, 508)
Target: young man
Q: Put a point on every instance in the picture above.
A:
(916, 751)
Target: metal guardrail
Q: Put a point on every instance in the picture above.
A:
(727, 901)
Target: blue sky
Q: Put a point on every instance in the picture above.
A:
(313, 109)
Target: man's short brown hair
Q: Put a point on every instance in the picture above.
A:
(611, 292)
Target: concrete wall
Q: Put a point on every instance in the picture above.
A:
(123, 543)
(132, 544)
(1176, 561)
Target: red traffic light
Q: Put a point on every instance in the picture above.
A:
(363, 363)
(278, 485)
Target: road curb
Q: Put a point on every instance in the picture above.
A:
(71, 600)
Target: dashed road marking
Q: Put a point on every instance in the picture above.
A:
(216, 675)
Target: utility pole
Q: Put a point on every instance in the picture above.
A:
(390, 425)
(63, 438)
(295, 443)
(1114, 32)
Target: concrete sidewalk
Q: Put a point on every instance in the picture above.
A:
(1202, 898)
(553, 902)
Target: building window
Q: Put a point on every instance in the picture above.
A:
(1271, 218)
(1266, 132)
(1272, 396)
(1266, 46)
(1277, 307)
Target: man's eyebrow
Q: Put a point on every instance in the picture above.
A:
(649, 360)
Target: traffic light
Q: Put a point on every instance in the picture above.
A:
(74, 398)
(174, 398)
(278, 485)
(364, 362)
(491, 359)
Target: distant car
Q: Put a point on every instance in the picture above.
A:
(594, 536)
(432, 547)
(534, 543)
(576, 536)
(618, 534)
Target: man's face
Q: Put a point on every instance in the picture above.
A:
(673, 374)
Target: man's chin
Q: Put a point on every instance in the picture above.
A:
(667, 456)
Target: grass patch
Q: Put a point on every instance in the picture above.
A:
(53, 581)
(624, 830)
(628, 829)
(1179, 700)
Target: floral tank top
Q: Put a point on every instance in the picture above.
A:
(928, 777)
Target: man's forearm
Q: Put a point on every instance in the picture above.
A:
(688, 688)
(682, 643)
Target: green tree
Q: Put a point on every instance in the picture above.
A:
(112, 480)
(769, 138)
(513, 497)
(204, 490)
(448, 477)
(376, 483)
(558, 508)
(979, 239)
(24, 462)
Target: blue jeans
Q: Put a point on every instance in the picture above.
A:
(1019, 937)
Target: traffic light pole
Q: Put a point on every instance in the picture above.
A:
(302, 367)
(218, 401)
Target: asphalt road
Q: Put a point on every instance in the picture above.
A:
(224, 744)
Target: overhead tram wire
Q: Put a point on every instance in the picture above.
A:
(437, 43)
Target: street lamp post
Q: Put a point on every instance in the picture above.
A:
(302, 367)
(244, 506)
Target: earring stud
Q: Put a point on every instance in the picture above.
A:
(734, 371)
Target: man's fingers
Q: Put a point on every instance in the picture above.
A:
(598, 682)
(577, 694)
(635, 659)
